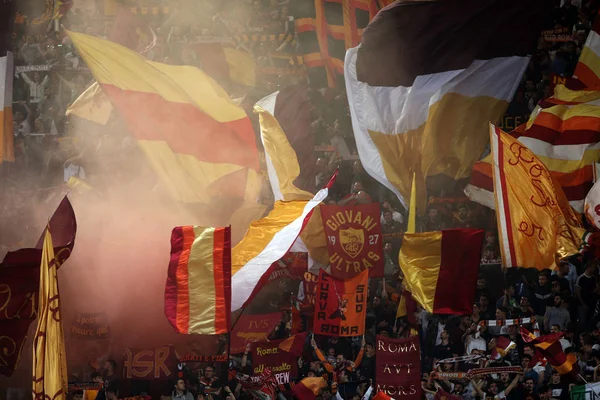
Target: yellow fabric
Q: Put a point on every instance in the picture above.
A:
(542, 223)
(313, 237)
(282, 156)
(242, 67)
(201, 282)
(285, 163)
(7, 150)
(79, 185)
(314, 384)
(412, 211)
(242, 217)
(261, 232)
(420, 261)
(123, 68)
(92, 105)
(401, 312)
(49, 357)
(188, 179)
(591, 59)
(429, 150)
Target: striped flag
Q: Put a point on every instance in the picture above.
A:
(434, 264)
(589, 391)
(294, 344)
(551, 349)
(309, 388)
(173, 112)
(422, 87)
(587, 70)
(49, 357)
(535, 221)
(198, 289)
(267, 240)
(564, 133)
(326, 29)
(7, 150)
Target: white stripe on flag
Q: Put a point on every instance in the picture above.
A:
(500, 200)
(245, 280)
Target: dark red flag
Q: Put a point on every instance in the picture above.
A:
(19, 285)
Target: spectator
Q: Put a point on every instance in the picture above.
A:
(585, 293)
(37, 86)
(557, 314)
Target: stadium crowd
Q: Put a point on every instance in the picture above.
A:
(50, 76)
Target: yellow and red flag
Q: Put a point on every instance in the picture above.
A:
(309, 388)
(535, 220)
(587, 70)
(49, 357)
(434, 264)
(198, 141)
(294, 344)
(550, 347)
(563, 132)
(198, 289)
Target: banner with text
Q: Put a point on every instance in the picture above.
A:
(354, 239)
(252, 328)
(90, 326)
(341, 305)
(159, 363)
(398, 367)
(268, 355)
(309, 288)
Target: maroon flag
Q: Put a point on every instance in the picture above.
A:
(550, 347)
(398, 367)
(252, 328)
(19, 285)
(354, 239)
(268, 355)
(294, 344)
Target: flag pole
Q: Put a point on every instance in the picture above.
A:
(582, 378)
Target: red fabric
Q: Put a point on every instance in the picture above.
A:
(550, 347)
(398, 367)
(354, 239)
(457, 279)
(185, 128)
(294, 344)
(382, 396)
(20, 272)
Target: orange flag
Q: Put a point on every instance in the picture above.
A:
(535, 221)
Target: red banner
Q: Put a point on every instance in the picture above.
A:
(252, 328)
(309, 286)
(159, 363)
(398, 371)
(267, 355)
(354, 239)
(341, 305)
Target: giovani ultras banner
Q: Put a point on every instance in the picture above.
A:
(354, 239)
(341, 305)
